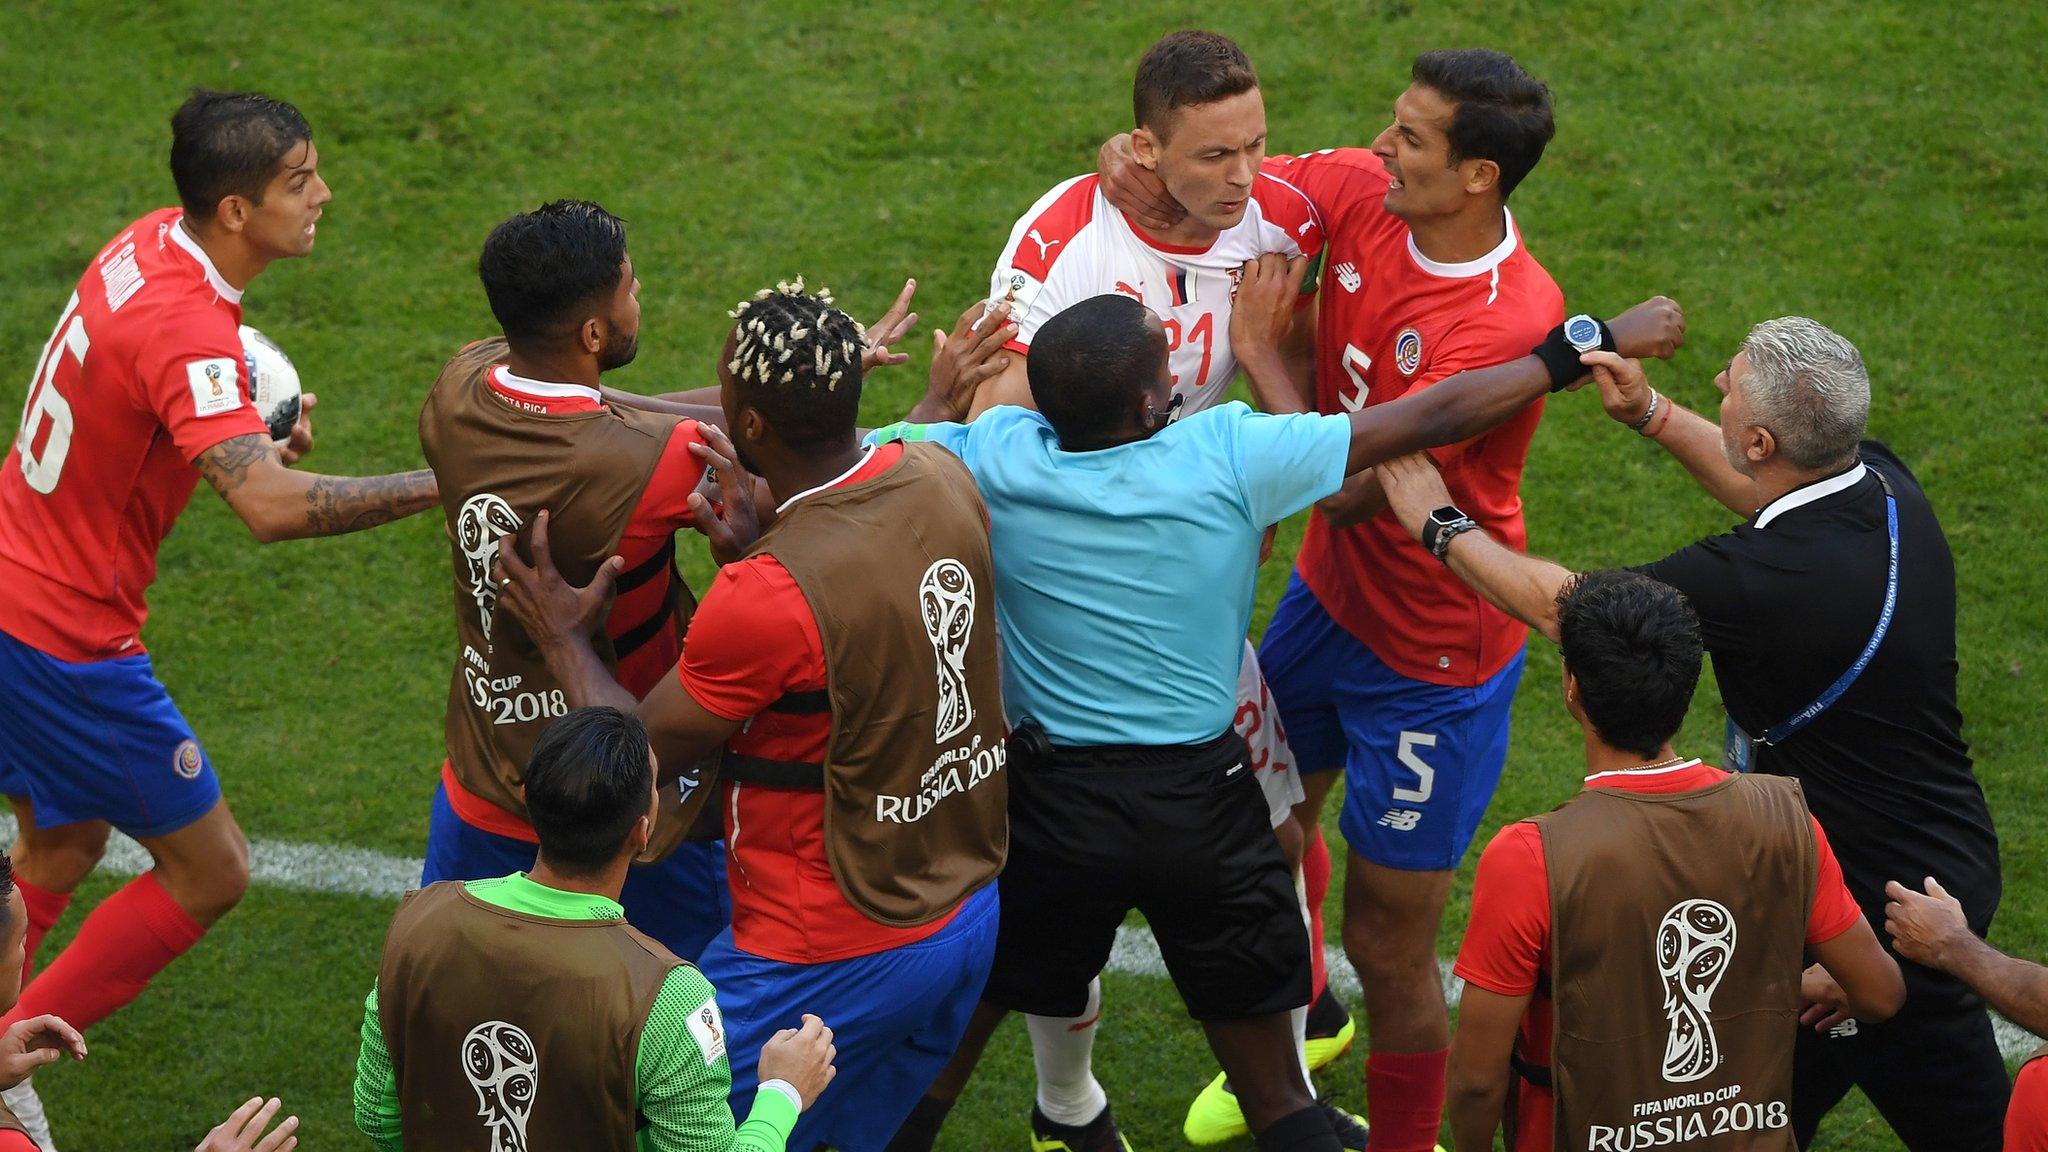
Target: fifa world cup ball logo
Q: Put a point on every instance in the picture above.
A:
(484, 518)
(1695, 941)
(947, 596)
(501, 1064)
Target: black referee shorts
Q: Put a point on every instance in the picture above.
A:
(1181, 834)
(1935, 1075)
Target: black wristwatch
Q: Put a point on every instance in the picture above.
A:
(1444, 525)
(1561, 349)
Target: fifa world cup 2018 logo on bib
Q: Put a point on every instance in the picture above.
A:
(504, 1068)
(947, 596)
(484, 517)
(1695, 942)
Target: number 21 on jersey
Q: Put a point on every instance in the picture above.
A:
(42, 464)
(1203, 330)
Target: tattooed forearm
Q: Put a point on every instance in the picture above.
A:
(278, 503)
(226, 465)
(337, 504)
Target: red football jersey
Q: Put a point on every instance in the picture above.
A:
(1391, 321)
(142, 374)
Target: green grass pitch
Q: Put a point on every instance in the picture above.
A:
(1878, 165)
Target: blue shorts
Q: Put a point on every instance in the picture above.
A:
(896, 1017)
(681, 900)
(1420, 760)
(98, 741)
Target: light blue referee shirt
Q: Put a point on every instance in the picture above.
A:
(1124, 576)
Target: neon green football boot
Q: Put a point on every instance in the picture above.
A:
(1215, 1117)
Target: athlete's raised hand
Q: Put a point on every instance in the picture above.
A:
(552, 611)
(1656, 327)
(964, 360)
(300, 441)
(1262, 309)
(29, 1044)
(1624, 388)
(1414, 489)
(884, 333)
(801, 1057)
(243, 1130)
(733, 524)
(1135, 188)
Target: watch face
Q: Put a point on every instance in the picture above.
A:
(1583, 332)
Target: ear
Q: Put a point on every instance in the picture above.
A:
(590, 337)
(753, 425)
(1761, 444)
(1481, 177)
(1145, 146)
(232, 213)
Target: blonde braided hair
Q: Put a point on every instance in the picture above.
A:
(787, 336)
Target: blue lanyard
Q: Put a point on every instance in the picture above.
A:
(1778, 734)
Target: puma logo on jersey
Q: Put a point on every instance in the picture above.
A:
(1305, 226)
(1137, 293)
(1044, 245)
(1347, 275)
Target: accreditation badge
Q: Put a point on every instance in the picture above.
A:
(1737, 749)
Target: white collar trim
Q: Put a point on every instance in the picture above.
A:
(1692, 763)
(182, 239)
(1469, 268)
(866, 454)
(546, 388)
(1807, 494)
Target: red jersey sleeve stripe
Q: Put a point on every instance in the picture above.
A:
(1046, 235)
(1290, 209)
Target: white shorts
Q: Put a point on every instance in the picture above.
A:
(1259, 723)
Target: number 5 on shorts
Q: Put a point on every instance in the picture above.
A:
(1424, 774)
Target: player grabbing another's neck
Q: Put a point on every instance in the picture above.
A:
(1470, 126)
(1099, 374)
(1201, 128)
(1631, 651)
(563, 291)
(789, 381)
(247, 175)
(590, 793)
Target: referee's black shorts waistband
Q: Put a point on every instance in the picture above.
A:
(1216, 751)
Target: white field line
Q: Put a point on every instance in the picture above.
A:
(361, 872)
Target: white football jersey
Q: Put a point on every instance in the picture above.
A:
(1073, 244)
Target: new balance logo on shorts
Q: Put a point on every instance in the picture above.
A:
(1401, 819)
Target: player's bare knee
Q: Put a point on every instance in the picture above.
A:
(208, 873)
(1388, 957)
(59, 859)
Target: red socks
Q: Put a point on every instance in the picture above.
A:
(45, 908)
(126, 941)
(1315, 879)
(1404, 1098)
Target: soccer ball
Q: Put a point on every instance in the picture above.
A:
(273, 383)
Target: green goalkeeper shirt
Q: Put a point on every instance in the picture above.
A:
(682, 1095)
